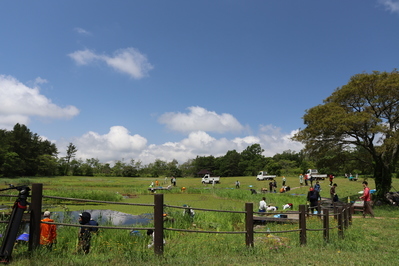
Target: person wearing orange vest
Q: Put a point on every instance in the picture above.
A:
(48, 232)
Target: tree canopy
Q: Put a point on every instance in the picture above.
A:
(25, 153)
(361, 114)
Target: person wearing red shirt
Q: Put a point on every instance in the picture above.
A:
(367, 200)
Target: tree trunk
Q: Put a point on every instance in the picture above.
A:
(383, 180)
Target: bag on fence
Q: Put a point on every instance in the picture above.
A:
(335, 199)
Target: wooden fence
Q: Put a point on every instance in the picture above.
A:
(342, 214)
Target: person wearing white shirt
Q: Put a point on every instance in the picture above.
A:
(262, 205)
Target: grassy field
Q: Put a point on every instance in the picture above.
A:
(367, 241)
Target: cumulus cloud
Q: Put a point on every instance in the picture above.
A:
(120, 144)
(128, 61)
(19, 102)
(390, 5)
(274, 141)
(200, 119)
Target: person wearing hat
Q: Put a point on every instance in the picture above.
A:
(48, 232)
(85, 232)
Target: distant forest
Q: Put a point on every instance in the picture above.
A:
(23, 153)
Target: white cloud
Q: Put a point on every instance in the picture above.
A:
(39, 81)
(129, 61)
(200, 119)
(18, 103)
(119, 144)
(115, 145)
(82, 31)
(390, 5)
(274, 141)
(84, 57)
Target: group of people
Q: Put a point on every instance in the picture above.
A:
(313, 197)
(273, 186)
(48, 232)
(307, 179)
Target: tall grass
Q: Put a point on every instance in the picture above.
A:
(366, 242)
(100, 195)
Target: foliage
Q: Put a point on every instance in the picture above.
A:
(331, 159)
(25, 153)
(71, 152)
(363, 113)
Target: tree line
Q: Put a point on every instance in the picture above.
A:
(355, 130)
(23, 153)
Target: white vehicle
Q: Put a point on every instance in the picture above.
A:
(208, 179)
(262, 175)
(315, 175)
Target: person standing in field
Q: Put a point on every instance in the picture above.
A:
(301, 179)
(237, 184)
(86, 232)
(367, 209)
(270, 186)
(284, 181)
(331, 177)
(48, 232)
(333, 192)
(313, 198)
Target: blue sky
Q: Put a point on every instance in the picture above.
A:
(148, 80)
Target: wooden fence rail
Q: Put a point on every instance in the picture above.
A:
(341, 213)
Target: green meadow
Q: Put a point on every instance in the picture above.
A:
(366, 242)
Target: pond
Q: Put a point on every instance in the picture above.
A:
(104, 217)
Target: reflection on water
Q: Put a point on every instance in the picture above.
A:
(104, 217)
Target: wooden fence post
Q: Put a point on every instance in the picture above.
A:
(158, 224)
(335, 208)
(346, 216)
(35, 216)
(326, 225)
(302, 224)
(249, 224)
(319, 215)
(340, 223)
(350, 213)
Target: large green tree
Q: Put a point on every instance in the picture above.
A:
(363, 113)
(21, 152)
(252, 160)
(229, 164)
